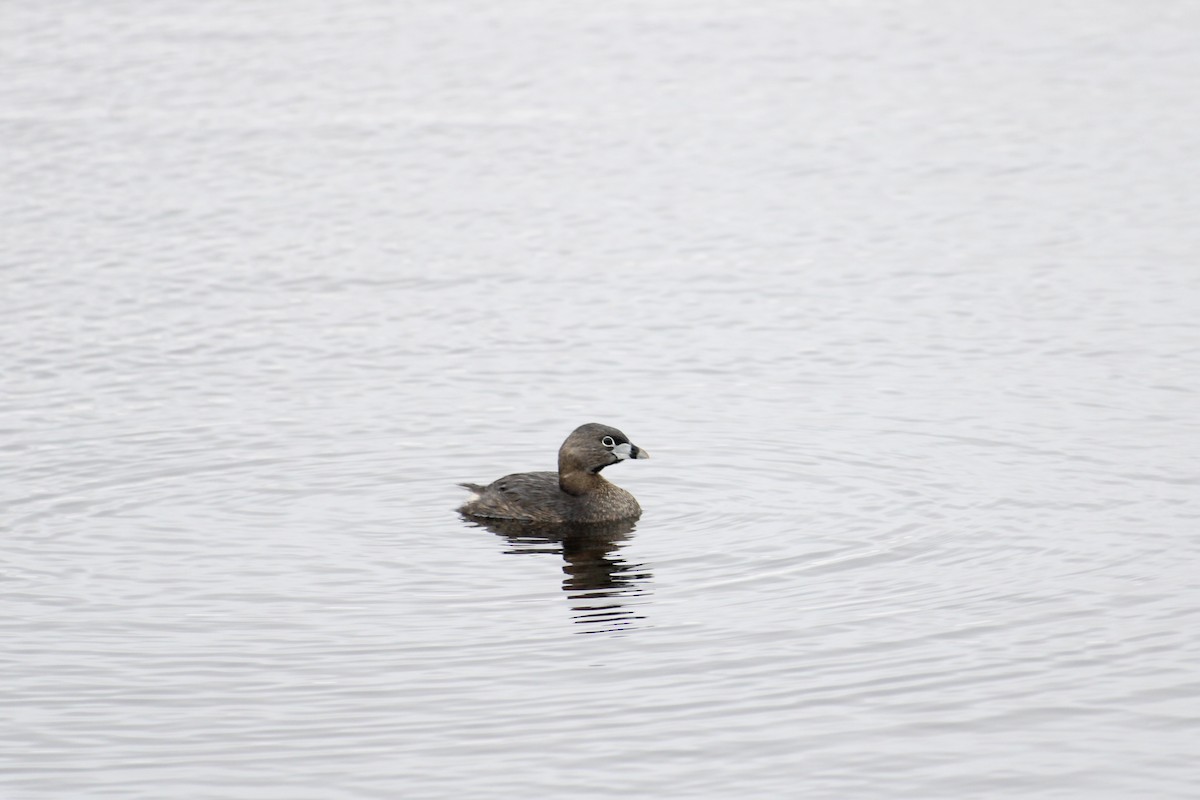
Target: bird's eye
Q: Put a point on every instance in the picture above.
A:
(607, 441)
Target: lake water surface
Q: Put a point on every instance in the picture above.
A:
(903, 299)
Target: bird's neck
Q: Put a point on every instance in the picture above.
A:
(576, 481)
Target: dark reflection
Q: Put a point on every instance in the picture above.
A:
(597, 578)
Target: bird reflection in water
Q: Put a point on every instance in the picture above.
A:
(597, 578)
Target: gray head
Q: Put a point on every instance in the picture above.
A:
(592, 447)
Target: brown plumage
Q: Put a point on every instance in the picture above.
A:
(575, 494)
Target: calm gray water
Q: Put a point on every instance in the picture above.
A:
(904, 299)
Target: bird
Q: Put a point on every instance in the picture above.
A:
(576, 494)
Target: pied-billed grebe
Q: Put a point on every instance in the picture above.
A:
(574, 494)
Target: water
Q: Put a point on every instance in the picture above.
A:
(902, 299)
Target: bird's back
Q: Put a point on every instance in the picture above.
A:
(533, 496)
(537, 497)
